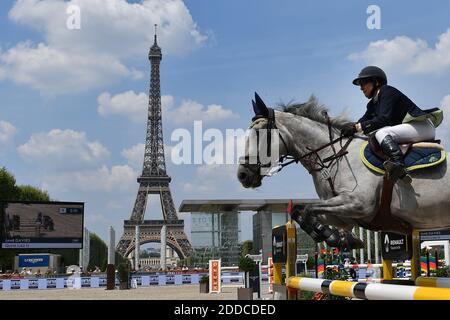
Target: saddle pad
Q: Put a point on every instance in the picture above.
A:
(420, 156)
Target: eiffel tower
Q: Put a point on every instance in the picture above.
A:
(154, 180)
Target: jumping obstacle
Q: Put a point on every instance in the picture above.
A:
(230, 277)
(284, 253)
(433, 282)
(368, 291)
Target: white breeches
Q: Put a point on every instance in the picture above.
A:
(408, 132)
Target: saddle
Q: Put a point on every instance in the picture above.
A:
(416, 156)
(405, 147)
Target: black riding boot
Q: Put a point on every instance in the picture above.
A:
(395, 166)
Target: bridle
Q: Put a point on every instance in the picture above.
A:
(322, 165)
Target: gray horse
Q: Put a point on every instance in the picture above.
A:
(424, 203)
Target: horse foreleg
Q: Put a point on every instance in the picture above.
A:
(310, 219)
(344, 206)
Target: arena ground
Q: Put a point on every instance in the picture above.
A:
(184, 292)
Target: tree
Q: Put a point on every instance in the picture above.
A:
(246, 247)
(8, 190)
(98, 252)
(246, 264)
(29, 193)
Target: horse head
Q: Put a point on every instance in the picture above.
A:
(264, 146)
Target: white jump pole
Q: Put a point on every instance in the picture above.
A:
(377, 250)
(361, 251)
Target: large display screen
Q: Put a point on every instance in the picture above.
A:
(42, 225)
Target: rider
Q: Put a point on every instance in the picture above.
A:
(395, 117)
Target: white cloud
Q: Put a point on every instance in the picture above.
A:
(56, 71)
(135, 107)
(63, 150)
(96, 221)
(129, 104)
(190, 111)
(7, 132)
(111, 31)
(167, 103)
(119, 178)
(114, 27)
(408, 55)
(445, 103)
(443, 131)
(135, 155)
(211, 179)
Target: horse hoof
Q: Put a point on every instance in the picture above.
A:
(351, 242)
(332, 237)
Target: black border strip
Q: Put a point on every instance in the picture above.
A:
(359, 290)
(325, 286)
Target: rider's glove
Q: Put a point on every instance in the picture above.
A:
(349, 129)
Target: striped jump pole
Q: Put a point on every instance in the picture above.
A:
(433, 282)
(368, 291)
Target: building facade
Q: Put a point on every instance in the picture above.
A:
(216, 235)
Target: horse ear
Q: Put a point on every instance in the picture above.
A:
(255, 109)
(260, 107)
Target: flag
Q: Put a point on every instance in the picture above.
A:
(289, 208)
(320, 267)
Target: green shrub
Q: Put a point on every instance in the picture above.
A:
(246, 264)
(204, 279)
(124, 272)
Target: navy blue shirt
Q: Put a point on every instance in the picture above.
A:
(389, 108)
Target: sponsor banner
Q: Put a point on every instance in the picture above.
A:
(154, 280)
(170, 279)
(270, 273)
(195, 278)
(60, 283)
(396, 246)
(24, 284)
(186, 279)
(15, 284)
(178, 279)
(95, 282)
(33, 283)
(33, 261)
(75, 282)
(40, 245)
(6, 285)
(145, 282)
(42, 284)
(435, 235)
(232, 277)
(215, 276)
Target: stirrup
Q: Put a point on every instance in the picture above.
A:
(395, 171)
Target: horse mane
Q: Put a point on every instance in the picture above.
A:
(315, 111)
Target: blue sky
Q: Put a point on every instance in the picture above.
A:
(73, 104)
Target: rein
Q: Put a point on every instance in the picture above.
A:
(322, 166)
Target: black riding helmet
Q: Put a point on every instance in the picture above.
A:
(371, 72)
